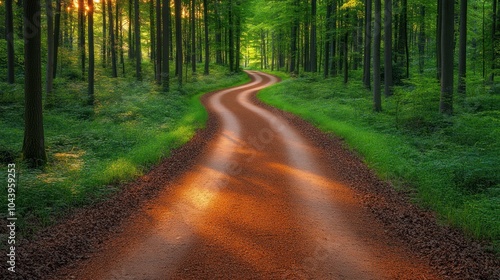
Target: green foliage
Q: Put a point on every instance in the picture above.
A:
(452, 162)
(91, 150)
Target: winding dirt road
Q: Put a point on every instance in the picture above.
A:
(262, 201)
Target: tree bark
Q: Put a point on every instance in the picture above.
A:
(138, 51)
(193, 35)
(158, 49)
(207, 46)
(165, 74)
(368, 41)
(377, 100)
(462, 53)
(294, 35)
(49, 75)
(439, 28)
(104, 49)
(421, 41)
(231, 36)
(9, 30)
(91, 52)
(114, 71)
(178, 40)
(388, 83)
(57, 36)
(34, 140)
(447, 37)
(81, 35)
(313, 48)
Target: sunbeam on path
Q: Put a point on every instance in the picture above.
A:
(260, 202)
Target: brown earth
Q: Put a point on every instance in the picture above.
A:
(259, 194)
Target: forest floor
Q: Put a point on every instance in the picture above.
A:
(257, 194)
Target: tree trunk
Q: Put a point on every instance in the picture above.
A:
(131, 47)
(346, 49)
(313, 61)
(377, 100)
(293, 44)
(231, 36)
(178, 40)
(159, 51)
(328, 24)
(57, 36)
(34, 140)
(388, 48)
(104, 49)
(447, 38)
(193, 36)
(165, 75)
(9, 26)
(493, 40)
(91, 51)
(138, 51)
(439, 28)
(421, 41)
(114, 71)
(207, 46)
(49, 75)
(81, 35)
(462, 54)
(368, 41)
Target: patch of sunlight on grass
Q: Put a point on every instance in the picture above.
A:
(120, 170)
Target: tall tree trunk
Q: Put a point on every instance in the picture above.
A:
(493, 40)
(104, 49)
(377, 100)
(81, 35)
(9, 30)
(193, 35)
(49, 75)
(159, 51)
(165, 75)
(421, 41)
(237, 30)
(447, 38)
(34, 140)
(178, 40)
(57, 36)
(122, 52)
(368, 41)
(138, 51)
(388, 48)
(91, 51)
(231, 36)
(439, 28)
(462, 53)
(294, 39)
(346, 49)
(152, 33)
(131, 45)
(328, 24)
(114, 71)
(313, 48)
(207, 46)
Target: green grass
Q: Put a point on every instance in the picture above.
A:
(91, 150)
(453, 163)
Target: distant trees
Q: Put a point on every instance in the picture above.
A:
(447, 40)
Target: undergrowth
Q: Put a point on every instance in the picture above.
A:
(452, 162)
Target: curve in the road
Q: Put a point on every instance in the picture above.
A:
(261, 202)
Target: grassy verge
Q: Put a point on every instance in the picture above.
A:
(91, 150)
(452, 162)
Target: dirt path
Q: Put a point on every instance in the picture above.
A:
(261, 201)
